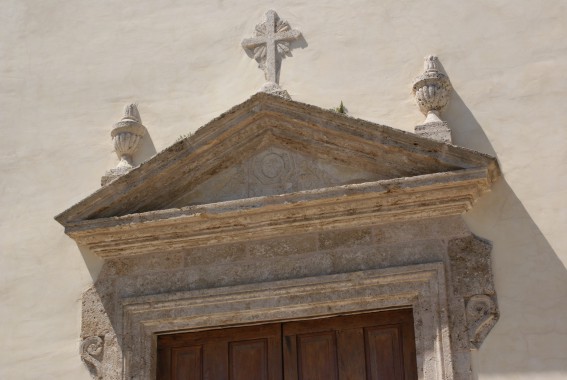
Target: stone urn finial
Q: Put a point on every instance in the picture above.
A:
(432, 90)
(126, 135)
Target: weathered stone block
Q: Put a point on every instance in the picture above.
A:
(254, 271)
(434, 228)
(289, 245)
(216, 254)
(144, 263)
(383, 256)
(470, 263)
(95, 321)
(153, 283)
(345, 238)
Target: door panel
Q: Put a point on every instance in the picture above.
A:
(251, 353)
(317, 356)
(186, 362)
(249, 360)
(215, 361)
(372, 346)
(383, 356)
(351, 354)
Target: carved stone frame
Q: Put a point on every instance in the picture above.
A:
(409, 224)
(421, 287)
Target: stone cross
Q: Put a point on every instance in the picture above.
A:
(271, 41)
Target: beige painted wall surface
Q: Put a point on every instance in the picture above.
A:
(68, 67)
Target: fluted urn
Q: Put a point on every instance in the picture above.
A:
(126, 135)
(432, 90)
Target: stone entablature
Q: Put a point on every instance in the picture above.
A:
(290, 212)
(420, 264)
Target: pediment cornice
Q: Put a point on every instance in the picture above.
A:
(410, 177)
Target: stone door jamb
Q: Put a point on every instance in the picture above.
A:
(421, 287)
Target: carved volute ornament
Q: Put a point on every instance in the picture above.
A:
(270, 44)
(432, 90)
(126, 135)
(91, 353)
(482, 314)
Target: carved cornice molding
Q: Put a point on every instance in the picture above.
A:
(419, 197)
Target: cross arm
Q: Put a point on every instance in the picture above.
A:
(250, 43)
(288, 35)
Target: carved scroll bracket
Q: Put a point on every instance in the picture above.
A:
(91, 352)
(473, 284)
(482, 314)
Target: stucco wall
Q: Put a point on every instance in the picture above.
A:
(68, 67)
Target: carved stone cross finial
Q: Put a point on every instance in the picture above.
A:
(270, 44)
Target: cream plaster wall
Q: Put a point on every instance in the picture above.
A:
(68, 67)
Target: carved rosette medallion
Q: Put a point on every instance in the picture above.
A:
(272, 166)
(482, 315)
(91, 353)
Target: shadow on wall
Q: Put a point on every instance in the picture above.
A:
(531, 283)
(93, 262)
(465, 130)
(146, 150)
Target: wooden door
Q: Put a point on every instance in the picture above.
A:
(244, 353)
(372, 346)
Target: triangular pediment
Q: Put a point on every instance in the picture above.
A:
(269, 146)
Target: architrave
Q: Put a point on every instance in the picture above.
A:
(421, 287)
